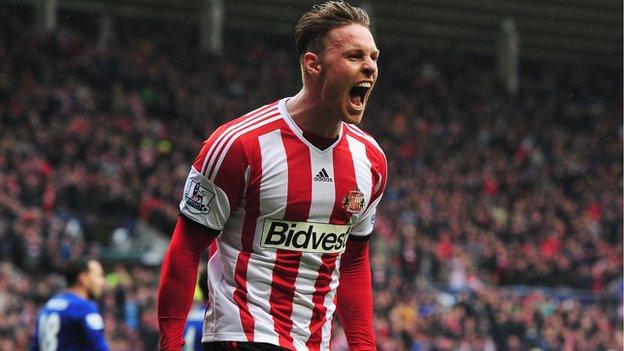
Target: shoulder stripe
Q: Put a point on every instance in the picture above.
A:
(357, 131)
(212, 172)
(247, 118)
(215, 148)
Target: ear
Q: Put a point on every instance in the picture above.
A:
(311, 64)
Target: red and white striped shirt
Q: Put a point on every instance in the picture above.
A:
(285, 209)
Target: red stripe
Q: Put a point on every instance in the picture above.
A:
(223, 146)
(211, 250)
(287, 262)
(344, 172)
(240, 295)
(345, 180)
(252, 211)
(321, 289)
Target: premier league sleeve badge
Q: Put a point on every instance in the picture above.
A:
(198, 197)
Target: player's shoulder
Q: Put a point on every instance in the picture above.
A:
(70, 305)
(78, 305)
(372, 146)
(250, 124)
(87, 311)
(252, 117)
(59, 303)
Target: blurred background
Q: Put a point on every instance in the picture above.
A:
(501, 226)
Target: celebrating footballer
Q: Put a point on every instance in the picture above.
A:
(288, 194)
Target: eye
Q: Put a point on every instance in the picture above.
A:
(354, 57)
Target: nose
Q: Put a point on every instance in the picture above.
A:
(369, 67)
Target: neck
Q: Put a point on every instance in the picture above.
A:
(77, 290)
(307, 110)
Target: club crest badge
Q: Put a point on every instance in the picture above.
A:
(198, 198)
(353, 202)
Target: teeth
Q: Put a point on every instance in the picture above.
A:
(364, 84)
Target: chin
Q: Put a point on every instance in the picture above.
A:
(352, 116)
(353, 119)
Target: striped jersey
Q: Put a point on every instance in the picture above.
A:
(285, 209)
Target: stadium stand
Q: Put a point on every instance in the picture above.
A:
(501, 227)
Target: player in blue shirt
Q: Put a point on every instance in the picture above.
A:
(193, 329)
(71, 320)
(195, 321)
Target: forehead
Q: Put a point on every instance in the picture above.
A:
(352, 36)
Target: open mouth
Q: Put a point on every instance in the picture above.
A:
(357, 94)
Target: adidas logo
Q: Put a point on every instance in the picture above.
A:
(322, 176)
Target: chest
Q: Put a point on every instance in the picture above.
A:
(296, 182)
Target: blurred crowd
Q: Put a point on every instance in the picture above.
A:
(494, 201)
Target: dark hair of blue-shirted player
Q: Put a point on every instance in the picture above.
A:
(84, 277)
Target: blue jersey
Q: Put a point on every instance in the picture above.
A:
(193, 329)
(70, 323)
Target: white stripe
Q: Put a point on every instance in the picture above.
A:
(331, 307)
(273, 189)
(322, 191)
(217, 145)
(362, 166)
(320, 211)
(274, 181)
(259, 278)
(231, 141)
(221, 315)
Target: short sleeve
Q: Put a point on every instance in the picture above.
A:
(216, 181)
(367, 221)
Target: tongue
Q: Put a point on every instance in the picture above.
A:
(355, 99)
